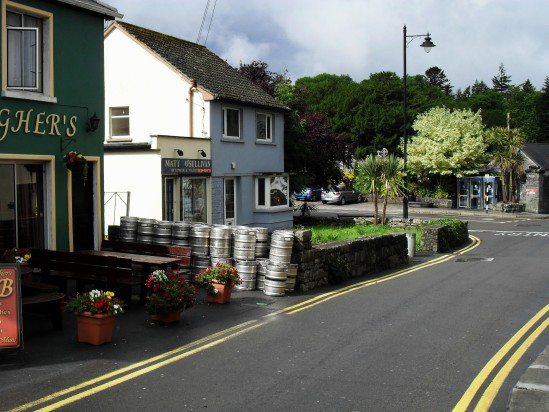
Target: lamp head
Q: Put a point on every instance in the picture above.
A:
(202, 153)
(179, 152)
(93, 122)
(427, 44)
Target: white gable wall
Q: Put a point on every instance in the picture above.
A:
(156, 95)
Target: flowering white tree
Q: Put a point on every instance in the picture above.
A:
(447, 143)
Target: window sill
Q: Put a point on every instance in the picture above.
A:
(20, 94)
(266, 143)
(274, 209)
(232, 140)
(120, 140)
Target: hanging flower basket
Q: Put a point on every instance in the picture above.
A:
(75, 161)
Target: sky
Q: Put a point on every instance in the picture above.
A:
(360, 37)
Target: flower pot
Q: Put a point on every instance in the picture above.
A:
(95, 329)
(167, 317)
(223, 294)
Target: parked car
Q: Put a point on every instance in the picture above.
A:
(341, 195)
(309, 194)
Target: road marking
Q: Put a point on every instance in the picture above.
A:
(492, 390)
(481, 378)
(512, 233)
(141, 368)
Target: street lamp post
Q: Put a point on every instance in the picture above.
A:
(427, 45)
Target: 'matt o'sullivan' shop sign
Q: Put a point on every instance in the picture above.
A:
(10, 307)
(180, 167)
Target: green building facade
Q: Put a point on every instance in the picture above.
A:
(52, 95)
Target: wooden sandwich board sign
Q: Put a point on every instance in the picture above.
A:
(11, 319)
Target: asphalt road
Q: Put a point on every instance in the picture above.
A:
(412, 342)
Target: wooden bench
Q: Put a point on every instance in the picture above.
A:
(54, 303)
(109, 271)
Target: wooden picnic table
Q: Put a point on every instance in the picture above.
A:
(141, 259)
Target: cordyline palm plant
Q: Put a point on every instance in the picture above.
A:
(505, 145)
(391, 177)
(380, 175)
(368, 179)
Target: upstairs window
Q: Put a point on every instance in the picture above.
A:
(231, 123)
(120, 122)
(24, 51)
(264, 127)
(28, 58)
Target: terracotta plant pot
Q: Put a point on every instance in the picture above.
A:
(223, 294)
(167, 317)
(95, 329)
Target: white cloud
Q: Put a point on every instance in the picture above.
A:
(360, 37)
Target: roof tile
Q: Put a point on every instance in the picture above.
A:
(209, 71)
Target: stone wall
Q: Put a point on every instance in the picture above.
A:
(331, 262)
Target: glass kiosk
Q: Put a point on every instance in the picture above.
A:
(477, 192)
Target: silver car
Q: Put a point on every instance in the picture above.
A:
(340, 195)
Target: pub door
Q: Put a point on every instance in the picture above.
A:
(83, 211)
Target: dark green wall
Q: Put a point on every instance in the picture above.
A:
(79, 89)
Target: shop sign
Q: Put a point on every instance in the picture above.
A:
(10, 307)
(180, 167)
(38, 123)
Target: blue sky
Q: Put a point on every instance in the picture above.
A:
(360, 37)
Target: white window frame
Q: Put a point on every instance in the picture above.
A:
(44, 90)
(271, 182)
(268, 127)
(121, 137)
(229, 221)
(226, 110)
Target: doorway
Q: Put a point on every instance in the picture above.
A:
(83, 211)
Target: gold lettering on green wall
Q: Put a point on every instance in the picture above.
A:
(4, 122)
(26, 121)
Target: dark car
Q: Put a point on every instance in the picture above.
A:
(340, 195)
(309, 194)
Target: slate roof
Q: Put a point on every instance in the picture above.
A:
(538, 153)
(95, 6)
(198, 63)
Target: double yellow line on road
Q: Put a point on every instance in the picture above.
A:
(109, 380)
(493, 388)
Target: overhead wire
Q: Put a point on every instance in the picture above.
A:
(203, 20)
(210, 25)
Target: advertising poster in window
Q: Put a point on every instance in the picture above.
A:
(10, 307)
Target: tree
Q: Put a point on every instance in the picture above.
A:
(505, 144)
(501, 82)
(437, 77)
(447, 143)
(521, 105)
(258, 72)
(543, 112)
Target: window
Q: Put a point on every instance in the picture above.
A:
(231, 123)
(120, 122)
(22, 206)
(28, 57)
(264, 127)
(272, 191)
(230, 203)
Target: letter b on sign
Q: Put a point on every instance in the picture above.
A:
(6, 287)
